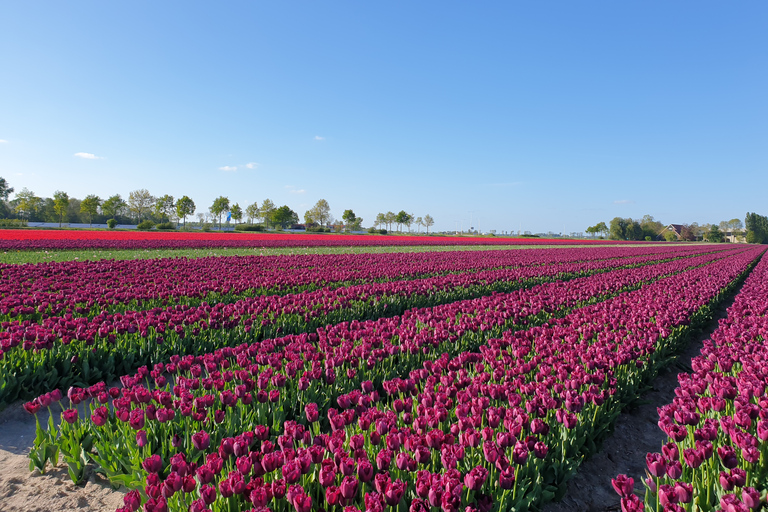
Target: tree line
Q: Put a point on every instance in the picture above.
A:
(649, 228)
(145, 209)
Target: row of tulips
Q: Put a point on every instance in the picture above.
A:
(62, 240)
(498, 429)
(64, 351)
(90, 287)
(716, 454)
(265, 383)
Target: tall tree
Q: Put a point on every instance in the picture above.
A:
(140, 202)
(428, 221)
(60, 204)
(381, 220)
(714, 234)
(618, 229)
(165, 207)
(601, 228)
(419, 222)
(389, 218)
(5, 191)
(113, 206)
(349, 218)
(402, 218)
(237, 212)
(321, 212)
(252, 212)
(185, 207)
(283, 217)
(267, 207)
(90, 206)
(26, 203)
(219, 206)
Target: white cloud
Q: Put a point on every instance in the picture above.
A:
(87, 156)
(317, 137)
(294, 190)
(228, 168)
(251, 165)
(623, 201)
(3, 141)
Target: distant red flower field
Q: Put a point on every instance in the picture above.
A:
(14, 240)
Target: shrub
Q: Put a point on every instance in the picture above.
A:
(111, 223)
(166, 225)
(145, 225)
(249, 227)
(375, 231)
(13, 223)
(318, 229)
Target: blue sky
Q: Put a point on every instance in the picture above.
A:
(550, 116)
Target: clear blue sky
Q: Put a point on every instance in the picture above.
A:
(546, 115)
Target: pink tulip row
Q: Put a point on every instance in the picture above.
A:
(716, 455)
(90, 287)
(271, 308)
(499, 428)
(62, 351)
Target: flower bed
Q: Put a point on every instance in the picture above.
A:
(716, 453)
(581, 353)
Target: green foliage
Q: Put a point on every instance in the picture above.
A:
(219, 206)
(13, 223)
(318, 229)
(145, 225)
(111, 223)
(90, 206)
(249, 227)
(166, 225)
(757, 228)
(714, 234)
(283, 217)
(669, 236)
(185, 207)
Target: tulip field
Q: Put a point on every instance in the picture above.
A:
(422, 382)
(717, 425)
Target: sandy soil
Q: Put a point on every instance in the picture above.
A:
(22, 490)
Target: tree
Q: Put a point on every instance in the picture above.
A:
(389, 218)
(409, 221)
(670, 236)
(185, 207)
(618, 229)
(601, 228)
(165, 207)
(113, 206)
(90, 206)
(320, 213)
(381, 220)
(349, 218)
(714, 234)
(252, 212)
(60, 204)
(219, 206)
(237, 212)
(688, 232)
(267, 207)
(139, 202)
(419, 222)
(428, 221)
(402, 218)
(283, 217)
(651, 227)
(757, 228)
(26, 202)
(5, 190)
